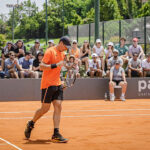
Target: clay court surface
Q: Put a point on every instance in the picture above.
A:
(89, 125)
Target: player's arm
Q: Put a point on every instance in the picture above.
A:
(44, 66)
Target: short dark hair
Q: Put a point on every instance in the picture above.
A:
(27, 53)
(135, 54)
(122, 38)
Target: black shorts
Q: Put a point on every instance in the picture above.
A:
(117, 81)
(134, 73)
(52, 93)
(88, 73)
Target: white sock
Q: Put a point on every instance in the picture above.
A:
(122, 94)
(112, 94)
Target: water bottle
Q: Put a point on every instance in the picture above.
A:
(105, 96)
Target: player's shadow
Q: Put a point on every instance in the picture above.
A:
(38, 141)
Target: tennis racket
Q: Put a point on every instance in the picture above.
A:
(69, 82)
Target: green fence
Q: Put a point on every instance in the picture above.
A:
(113, 30)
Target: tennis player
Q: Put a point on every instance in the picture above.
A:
(52, 90)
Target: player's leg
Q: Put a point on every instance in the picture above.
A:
(111, 90)
(57, 103)
(124, 87)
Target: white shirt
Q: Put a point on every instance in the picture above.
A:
(145, 64)
(92, 64)
(98, 51)
(106, 52)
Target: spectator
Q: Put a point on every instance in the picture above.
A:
(2, 74)
(51, 43)
(12, 66)
(135, 48)
(72, 67)
(117, 77)
(26, 66)
(85, 52)
(112, 61)
(36, 65)
(108, 53)
(36, 49)
(134, 67)
(75, 50)
(123, 50)
(64, 69)
(5, 52)
(99, 50)
(20, 49)
(95, 68)
(146, 66)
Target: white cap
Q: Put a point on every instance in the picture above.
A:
(51, 41)
(115, 50)
(74, 41)
(98, 41)
(94, 55)
(110, 44)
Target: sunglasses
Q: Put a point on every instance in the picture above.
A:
(74, 43)
(12, 55)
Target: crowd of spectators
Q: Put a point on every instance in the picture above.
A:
(17, 62)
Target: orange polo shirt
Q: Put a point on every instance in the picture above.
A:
(51, 77)
(76, 53)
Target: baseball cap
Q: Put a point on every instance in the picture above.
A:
(66, 41)
(115, 50)
(110, 44)
(135, 40)
(117, 62)
(148, 54)
(37, 41)
(98, 41)
(94, 55)
(51, 41)
(72, 56)
(74, 41)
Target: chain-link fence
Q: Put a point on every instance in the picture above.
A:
(113, 31)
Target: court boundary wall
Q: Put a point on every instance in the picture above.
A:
(84, 89)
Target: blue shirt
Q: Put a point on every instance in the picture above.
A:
(25, 63)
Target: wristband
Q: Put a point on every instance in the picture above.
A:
(53, 66)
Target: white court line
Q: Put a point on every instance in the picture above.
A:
(82, 116)
(77, 111)
(10, 143)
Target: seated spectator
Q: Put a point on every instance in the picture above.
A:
(20, 49)
(12, 66)
(72, 67)
(36, 65)
(5, 52)
(99, 50)
(117, 77)
(51, 43)
(135, 48)
(134, 67)
(95, 68)
(146, 66)
(36, 49)
(75, 51)
(108, 53)
(123, 50)
(85, 52)
(63, 68)
(112, 61)
(2, 74)
(26, 66)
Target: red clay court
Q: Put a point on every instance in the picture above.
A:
(89, 125)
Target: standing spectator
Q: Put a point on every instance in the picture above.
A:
(123, 50)
(117, 77)
(95, 67)
(72, 67)
(26, 66)
(20, 49)
(146, 66)
(99, 50)
(112, 61)
(36, 65)
(108, 53)
(5, 52)
(135, 48)
(51, 43)
(36, 49)
(85, 52)
(12, 66)
(134, 67)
